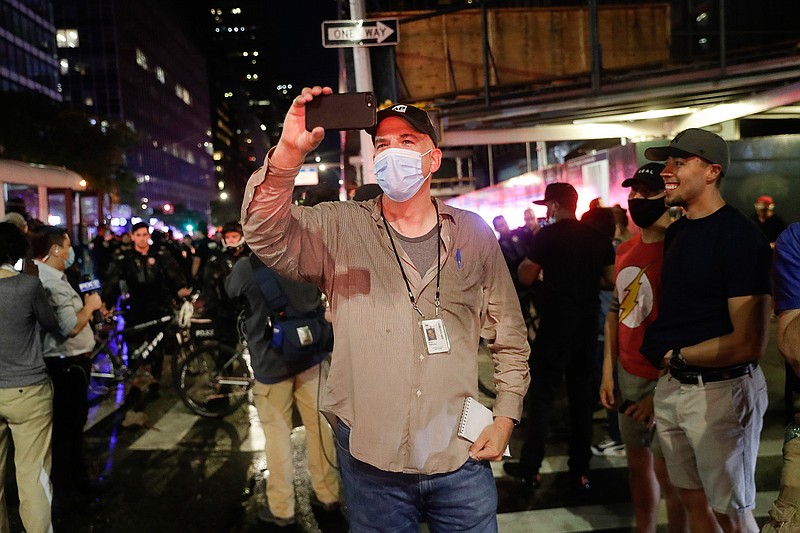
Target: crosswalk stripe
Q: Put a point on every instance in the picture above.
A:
(178, 421)
(595, 517)
(558, 463)
(255, 435)
(168, 431)
(173, 426)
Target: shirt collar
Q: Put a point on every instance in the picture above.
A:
(374, 206)
(48, 272)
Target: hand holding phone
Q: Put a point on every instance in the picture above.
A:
(344, 111)
(624, 406)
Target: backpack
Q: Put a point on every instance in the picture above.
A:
(298, 328)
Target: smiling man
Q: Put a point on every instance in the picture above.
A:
(393, 267)
(710, 332)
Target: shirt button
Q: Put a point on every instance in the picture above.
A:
(419, 393)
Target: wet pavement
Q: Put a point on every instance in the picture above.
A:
(182, 472)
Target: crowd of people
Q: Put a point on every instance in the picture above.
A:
(685, 329)
(663, 326)
(143, 274)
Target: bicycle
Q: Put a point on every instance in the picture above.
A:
(215, 379)
(116, 363)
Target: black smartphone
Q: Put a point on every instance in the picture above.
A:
(624, 406)
(343, 111)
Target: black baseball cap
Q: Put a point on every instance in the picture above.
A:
(694, 142)
(418, 118)
(559, 192)
(649, 175)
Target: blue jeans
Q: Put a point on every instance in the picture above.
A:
(464, 500)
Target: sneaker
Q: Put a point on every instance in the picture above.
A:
(327, 507)
(265, 515)
(608, 447)
(517, 471)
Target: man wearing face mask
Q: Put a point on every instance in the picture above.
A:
(393, 267)
(637, 292)
(67, 358)
(573, 257)
(218, 267)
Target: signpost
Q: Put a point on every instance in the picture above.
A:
(356, 33)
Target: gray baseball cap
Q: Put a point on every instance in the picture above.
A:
(694, 142)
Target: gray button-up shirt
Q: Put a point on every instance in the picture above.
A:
(66, 304)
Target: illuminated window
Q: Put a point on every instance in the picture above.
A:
(64, 66)
(141, 59)
(183, 94)
(160, 75)
(67, 38)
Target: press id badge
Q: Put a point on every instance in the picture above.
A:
(435, 336)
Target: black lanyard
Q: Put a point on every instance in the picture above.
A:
(436, 300)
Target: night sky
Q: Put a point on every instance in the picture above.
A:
(296, 54)
(297, 41)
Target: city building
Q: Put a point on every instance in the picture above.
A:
(116, 63)
(28, 59)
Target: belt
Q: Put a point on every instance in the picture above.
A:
(710, 375)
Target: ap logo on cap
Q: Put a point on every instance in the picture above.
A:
(400, 108)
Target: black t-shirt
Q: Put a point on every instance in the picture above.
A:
(706, 262)
(515, 249)
(572, 256)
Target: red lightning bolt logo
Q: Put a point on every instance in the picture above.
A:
(628, 303)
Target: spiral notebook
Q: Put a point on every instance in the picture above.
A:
(474, 418)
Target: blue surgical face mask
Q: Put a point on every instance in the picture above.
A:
(399, 173)
(70, 258)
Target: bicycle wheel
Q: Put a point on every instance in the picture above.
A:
(108, 372)
(177, 360)
(214, 380)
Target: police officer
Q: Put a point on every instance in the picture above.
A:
(205, 248)
(219, 305)
(153, 278)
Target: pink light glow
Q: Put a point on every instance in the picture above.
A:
(513, 199)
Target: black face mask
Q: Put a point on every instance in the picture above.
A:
(645, 212)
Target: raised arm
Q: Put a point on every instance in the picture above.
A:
(272, 231)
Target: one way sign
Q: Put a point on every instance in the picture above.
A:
(351, 33)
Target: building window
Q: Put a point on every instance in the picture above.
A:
(183, 94)
(67, 38)
(141, 59)
(160, 75)
(64, 66)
